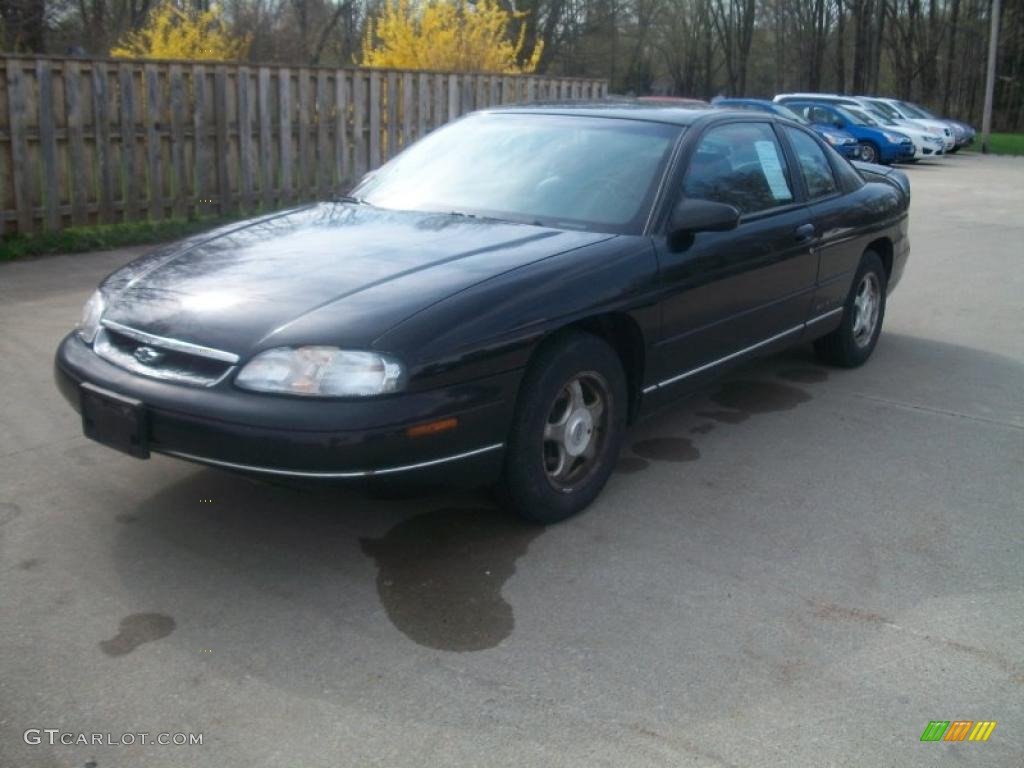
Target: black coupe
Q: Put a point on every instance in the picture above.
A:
(497, 303)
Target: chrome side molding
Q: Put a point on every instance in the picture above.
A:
(740, 352)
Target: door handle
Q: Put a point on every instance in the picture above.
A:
(804, 232)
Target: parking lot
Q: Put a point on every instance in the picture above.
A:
(800, 567)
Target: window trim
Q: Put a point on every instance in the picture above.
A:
(682, 168)
(837, 190)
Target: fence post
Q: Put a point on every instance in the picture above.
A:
(245, 157)
(266, 147)
(321, 161)
(76, 143)
(199, 137)
(129, 180)
(284, 78)
(341, 131)
(104, 157)
(305, 107)
(20, 173)
(374, 119)
(180, 184)
(153, 155)
(48, 146)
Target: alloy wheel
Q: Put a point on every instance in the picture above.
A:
(576, 430)
(866, 303)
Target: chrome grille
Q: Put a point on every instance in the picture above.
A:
(162, 358)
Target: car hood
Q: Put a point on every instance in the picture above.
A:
(838, 133)
(331, 273)
(922, 123)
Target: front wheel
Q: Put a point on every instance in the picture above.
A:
(852, 343)
(569, 423)
(868, 152)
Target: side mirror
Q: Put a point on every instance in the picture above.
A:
(838, 123)
(692, 216)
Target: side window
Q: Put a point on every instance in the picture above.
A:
(815, 167)
(821, 115)
(742, 165)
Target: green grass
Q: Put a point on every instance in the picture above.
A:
(104, 236)
(1005, 144)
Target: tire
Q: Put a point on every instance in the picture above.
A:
(542, 481)
(851, 344)
(869, 152)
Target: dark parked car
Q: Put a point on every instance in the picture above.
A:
(495, 304)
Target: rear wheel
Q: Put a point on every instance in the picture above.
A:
(568, 428)
(852, 343)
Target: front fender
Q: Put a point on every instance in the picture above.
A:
(494, 326)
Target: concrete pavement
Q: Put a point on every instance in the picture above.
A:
(802, 567)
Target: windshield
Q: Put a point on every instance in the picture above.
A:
(560, 171)
(913, 111)
(885, 109)
(856, 117)
(882, 119)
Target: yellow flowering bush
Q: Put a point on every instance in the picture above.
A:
(171, 33)
(446, 35)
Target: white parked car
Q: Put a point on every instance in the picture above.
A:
(928, 141)
(899, 118)
(904, 114)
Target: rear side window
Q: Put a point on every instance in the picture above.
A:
(740, 164)
(814, 165)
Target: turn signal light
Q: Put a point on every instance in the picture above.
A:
(432, 427)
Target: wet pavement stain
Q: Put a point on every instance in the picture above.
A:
(440, 575)
(702, 429)
(29, 563)
(758, 396)
(667, 449)
(126, 517)
(804, 375)
(627, 465)
(725, 417)
(135, 630)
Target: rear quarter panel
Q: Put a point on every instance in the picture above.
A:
(849, 225)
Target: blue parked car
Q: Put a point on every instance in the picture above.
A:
(877, 143)
(843, 142)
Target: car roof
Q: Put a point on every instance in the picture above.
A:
(745, 100)
(673, 113)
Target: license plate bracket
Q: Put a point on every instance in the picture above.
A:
(114, 420)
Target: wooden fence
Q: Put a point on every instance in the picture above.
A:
(85, 141)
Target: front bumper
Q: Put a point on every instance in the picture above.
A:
(328, 439)
(896, 152)
(851, 151)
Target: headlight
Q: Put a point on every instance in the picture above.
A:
(933, 129)
(91, 314)
(833, 140)
(896, 138)
(321, 372)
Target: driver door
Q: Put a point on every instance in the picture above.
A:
(731, 293)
